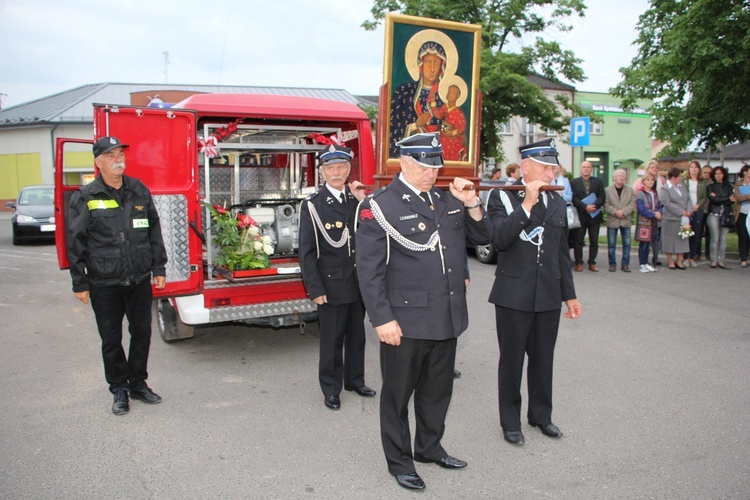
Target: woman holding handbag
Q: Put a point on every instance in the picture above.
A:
(720, 217)
(649, 213)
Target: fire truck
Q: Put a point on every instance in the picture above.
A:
(249, 154)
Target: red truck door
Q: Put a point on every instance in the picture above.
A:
(163, 155)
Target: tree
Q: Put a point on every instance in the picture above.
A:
(504, 80)
(694, 62)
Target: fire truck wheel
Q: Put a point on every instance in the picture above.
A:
(171, 328)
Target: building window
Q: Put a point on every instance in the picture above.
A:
(504, 128)
(550, 133)
(527, 132)
(595, 128)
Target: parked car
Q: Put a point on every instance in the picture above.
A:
(33, 214)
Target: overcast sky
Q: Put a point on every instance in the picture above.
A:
(50, 46)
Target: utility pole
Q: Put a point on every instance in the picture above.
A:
(166, 64)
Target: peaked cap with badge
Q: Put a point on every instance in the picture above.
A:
(334, 154)
(543, 152)
(425, 148)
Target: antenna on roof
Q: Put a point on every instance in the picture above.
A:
(166, 63)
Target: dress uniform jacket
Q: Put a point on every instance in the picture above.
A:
(596, 186)
(333, 273)
(527, 280)
(423, 290)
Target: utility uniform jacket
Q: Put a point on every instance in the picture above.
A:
(532, 275)
(326, 269)
(113, 241)
(414, 271)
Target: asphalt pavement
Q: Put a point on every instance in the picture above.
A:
(651, 391)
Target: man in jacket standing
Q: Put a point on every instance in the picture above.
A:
(588, 198)
(114, 246)
(533, 278)
(619, 204)
(413, 274)
(327, 258)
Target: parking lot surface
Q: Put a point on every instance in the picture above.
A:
(651, 392)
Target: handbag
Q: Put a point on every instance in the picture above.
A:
(644, 229)
(574, 222)
(726, 219)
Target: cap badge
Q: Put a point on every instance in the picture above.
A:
(435, 142)
(332, 148)
(112, 140)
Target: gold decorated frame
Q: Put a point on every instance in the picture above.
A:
(461, 41)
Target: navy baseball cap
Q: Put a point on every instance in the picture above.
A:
(107, 144)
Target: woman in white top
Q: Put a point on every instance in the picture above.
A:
(696, 188)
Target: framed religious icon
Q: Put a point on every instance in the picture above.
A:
(431, 75)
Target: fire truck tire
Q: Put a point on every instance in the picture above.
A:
(171, 328)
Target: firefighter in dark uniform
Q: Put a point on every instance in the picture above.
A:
(413, 274)
(327, 259)
(114, 246)
(532, 279)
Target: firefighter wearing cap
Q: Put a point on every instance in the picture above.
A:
(413, 274)
(532, 279)
(114, 246)
(327, 259)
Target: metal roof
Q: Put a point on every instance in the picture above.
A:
(75, 105)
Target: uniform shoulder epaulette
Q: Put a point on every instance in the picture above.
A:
(378, 192)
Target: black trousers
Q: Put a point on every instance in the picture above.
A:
(578, 242)
(423, 368)
(341, 327)
(519, 334)
(111, 304)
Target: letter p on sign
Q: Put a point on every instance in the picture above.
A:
(579, 131)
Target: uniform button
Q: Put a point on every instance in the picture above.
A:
(541, 265)
(438, 225)
(450, 270)
(541, 251)
(406, 302)
(451, 292)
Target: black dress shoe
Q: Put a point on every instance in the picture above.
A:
(333, 402)
(146, 395)
(447, 462)
(514, 437)
(410, 481)
(550, 430)
(456, 374)
(363, 391)
(121, 404)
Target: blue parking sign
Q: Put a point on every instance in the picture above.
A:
(579, 131)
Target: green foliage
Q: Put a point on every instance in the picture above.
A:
(237, 246)
(694, 62)
(504, 76)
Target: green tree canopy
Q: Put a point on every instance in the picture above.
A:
(504, 80)
(694, 62)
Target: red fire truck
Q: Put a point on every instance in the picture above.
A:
(254, 154)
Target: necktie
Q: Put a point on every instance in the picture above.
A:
(342, 198)
(426, 199)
